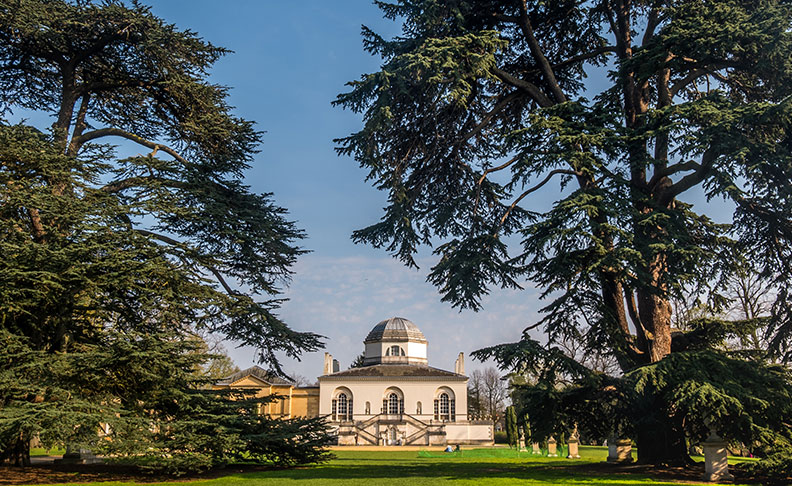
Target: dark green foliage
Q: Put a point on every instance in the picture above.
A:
(358, 361)
(112, 267)
(512, 434)
(629, 112)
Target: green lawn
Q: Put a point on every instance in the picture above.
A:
(418, 468)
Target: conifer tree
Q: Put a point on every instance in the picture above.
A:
(110, 264)
(627, 110)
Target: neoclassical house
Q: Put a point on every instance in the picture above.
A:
(395, 398)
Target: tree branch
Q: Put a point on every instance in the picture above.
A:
(174, 242)
(632, 310)
(79, 124)
(117, 132)
(484, 176)
(137, 181)
(38, 227)
(536, 188)
(691, 76)
(536, 50)
(690, 180)
(499, 106)
(651, 25)
(673, 169)
(533, 91)
(582, 57)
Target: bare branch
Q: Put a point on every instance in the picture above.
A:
(79, 124)
(130, 182)
(117, 132)
(632, 310)
(536, 188)
(499, 106)
(673, 169)
(691, 76)
(533, 91)
(582, 57)
(690, 180)
(651, 25)
(536, 50)
(484, 176)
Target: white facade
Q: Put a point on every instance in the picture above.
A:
(397, 399)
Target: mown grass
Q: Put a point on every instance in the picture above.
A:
(418, 468)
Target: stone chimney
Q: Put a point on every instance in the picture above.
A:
(328, 364)
(459, 365)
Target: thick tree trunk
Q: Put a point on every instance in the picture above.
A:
(17, 452)
(661, 439)
(655, 312)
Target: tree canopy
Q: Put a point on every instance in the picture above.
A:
(113, 264)
(641, 115)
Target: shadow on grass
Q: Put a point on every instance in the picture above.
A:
(479, 471)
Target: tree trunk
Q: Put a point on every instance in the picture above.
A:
(661, 439)
(17, 452)
(655, 314)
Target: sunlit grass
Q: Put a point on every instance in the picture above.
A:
(483, 466)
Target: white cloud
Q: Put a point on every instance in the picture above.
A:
(344, 297)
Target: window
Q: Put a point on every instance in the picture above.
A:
(368, 408)
(393, 404)
(418, 410)
(445, 413)
(342, 407)
(444, 408)
(394, 351)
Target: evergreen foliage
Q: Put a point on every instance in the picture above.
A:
(111, 265)
(632, 110)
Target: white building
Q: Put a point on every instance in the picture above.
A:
(396, 398)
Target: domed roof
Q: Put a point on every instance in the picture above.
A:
(396, 329)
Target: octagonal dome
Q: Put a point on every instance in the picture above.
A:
(395, 329)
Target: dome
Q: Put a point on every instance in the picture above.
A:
(395, 329)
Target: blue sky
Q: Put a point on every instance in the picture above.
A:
(290, 61)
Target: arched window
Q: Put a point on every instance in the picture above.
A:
(342, 407)
(418, 410)
(394, 351)
(444, 408)
(393, 401)
(368, 408)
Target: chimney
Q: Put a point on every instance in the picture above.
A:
(328, 364)
(336, 366)
(459, 365)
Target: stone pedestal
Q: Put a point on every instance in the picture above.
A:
(535, 448)
(716, 465)
(551, 447)
(572, 444)
(619, 451)
(78, 455)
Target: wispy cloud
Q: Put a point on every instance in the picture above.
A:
(344, 297)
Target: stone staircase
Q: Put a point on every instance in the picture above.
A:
(425, 431)
(368, 431)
